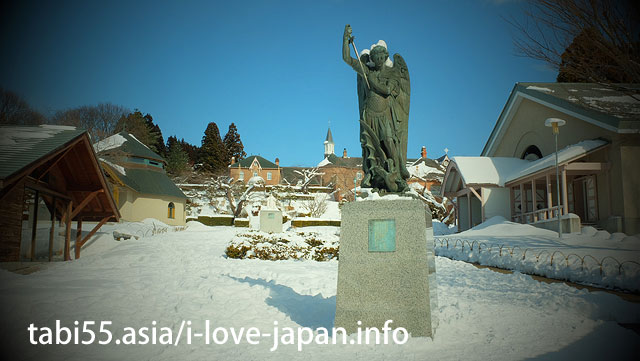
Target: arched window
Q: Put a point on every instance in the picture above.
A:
(531, 153)
(171, 210)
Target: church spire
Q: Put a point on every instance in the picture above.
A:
(328, 144)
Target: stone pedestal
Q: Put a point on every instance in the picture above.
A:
(386, 269)
(271, 220)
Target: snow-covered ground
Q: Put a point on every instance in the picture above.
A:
(174, 276)
(590, 257)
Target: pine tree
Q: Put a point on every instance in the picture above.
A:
(177, 158)
(157, 140)
(191, 150)
(143, 128)
(136, 124)
(213, 154)
(233, 144)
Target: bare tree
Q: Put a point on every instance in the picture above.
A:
(316, 206)
(99, 120)
(235, 192)
(308, 175)
(587, 40)
(15, 110)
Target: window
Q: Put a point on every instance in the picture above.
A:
(531, 153)
(171, 210)
(241, 176)
(268, 175)
(255, 174)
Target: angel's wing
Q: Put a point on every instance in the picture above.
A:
(402, 101)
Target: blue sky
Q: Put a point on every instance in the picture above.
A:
(274, 68)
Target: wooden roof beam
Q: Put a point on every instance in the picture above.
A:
(84, 202)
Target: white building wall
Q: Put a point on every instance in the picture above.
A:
(497, 202)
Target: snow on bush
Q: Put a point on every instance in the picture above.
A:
(317, 246)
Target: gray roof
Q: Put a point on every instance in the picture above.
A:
(618, 101)
(290, 175)
(329, 137)
(147, 181)
(20, 146)
(352, 162)
(246, 162)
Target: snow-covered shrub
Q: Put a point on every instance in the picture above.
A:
(281, 246)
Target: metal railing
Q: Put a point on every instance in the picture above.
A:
(607, 267)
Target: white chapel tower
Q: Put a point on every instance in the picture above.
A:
(328, 144)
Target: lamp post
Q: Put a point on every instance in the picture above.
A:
(555, 124)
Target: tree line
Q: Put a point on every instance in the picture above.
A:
(106, 119)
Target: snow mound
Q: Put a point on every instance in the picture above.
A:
(602, 235)
(197, 226)
(617, 236)
(588, 231)
(499, 226)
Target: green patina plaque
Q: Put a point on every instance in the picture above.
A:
(382, 235)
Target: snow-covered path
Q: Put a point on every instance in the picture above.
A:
(179, 276)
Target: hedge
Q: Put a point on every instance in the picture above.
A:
(301, 222)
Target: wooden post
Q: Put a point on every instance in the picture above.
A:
(34, 227)
(469, 213)
(67, 236)
(549, 197)
(523, 204)
(86, 238)
(565, 203)
(52, 231)
(534, 199)
(78, 237)
(512, 203)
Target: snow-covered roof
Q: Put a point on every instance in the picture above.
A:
(501, 170)
(422, 170)
(126, 144)
(22, 145)
(324, 162)
(564, 155)
(111, 142)
(488, 170)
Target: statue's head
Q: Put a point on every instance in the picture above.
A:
(378, 56)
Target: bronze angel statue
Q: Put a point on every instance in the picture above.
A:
(383, 95)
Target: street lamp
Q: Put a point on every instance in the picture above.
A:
(555, 124)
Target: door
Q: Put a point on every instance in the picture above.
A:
(591, 199)
(585, 200)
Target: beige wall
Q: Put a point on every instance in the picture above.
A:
(527, 128)
(135, 207)
(497, 202)
(618, 187)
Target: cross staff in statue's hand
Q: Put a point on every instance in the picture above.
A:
(351, 39)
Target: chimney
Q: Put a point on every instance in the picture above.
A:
(344, 153)
(233, 160)
(423, 152)
(278, 162)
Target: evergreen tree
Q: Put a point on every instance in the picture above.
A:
(143, 129)
(233, 144)
(157, 144)
(213, 154)
(191, 150)
(136, 124)
(177, 158)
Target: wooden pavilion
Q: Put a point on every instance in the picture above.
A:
(51, 169)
